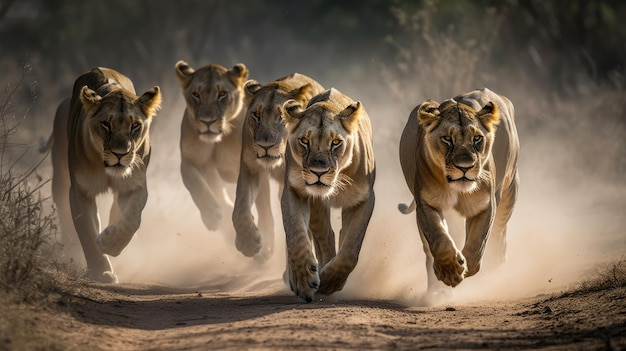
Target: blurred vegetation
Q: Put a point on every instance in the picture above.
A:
(558, 42)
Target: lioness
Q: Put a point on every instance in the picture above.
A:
(210, 138)
(262, 156)
(461, 155)
(101, 142)
(329, 163)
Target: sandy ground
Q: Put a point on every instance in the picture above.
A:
(267, 317)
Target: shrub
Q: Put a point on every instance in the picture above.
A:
(27, 224)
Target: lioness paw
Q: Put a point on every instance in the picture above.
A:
(249, 242)
(332, 278)
(112, 241)
(450, 268)
(108, 277)
(212, 219)
(304, 279)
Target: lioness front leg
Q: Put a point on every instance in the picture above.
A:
(477, 229)
(202, 195)
(87, 224)
(448, 262)
(263, 205)
(248, 237)
(302, 268)
(353, 227)
(116, 236)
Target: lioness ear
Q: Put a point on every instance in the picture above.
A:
(238, 74)
(184, 73)
(293, 112)
(349, 117)
(150, 101)
(251, 87)
(90, 100)
(301, 93)
(428, 113)
(489, 116)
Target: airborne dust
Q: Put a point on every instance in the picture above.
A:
(565, 221)
(568, 217)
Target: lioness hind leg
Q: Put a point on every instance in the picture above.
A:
(72, 250)
(497, 245)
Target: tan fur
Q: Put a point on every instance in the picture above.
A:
(461, 155)
(210, 139)
(101, 142)
(329, 163)
(262, 157)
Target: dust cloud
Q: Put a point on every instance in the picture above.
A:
(565, 221)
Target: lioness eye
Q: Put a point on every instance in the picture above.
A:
(106, 126)
(478, 139)
(304, 141)
(255, 117)
(195, 95)
(222, 94)
(446, 140)
(135, 128)
(336, 143)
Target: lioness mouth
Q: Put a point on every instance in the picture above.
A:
(209, 132)
(268, 156)
(462, 179)
(117, 165)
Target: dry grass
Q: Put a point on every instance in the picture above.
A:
(27, 220)
(608, 276)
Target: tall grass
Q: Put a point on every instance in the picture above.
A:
(27, 222)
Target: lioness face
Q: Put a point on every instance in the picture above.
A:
(459, 141)
(321, 142)
(269, 134)
(214, 97)
(118, 126)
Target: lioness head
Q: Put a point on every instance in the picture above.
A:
(459, 140)
(321, 140)
(264, 119)
(214, 97)
(118, 126)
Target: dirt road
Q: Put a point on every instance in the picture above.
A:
(266, 317)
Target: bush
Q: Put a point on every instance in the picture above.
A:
(27, 224)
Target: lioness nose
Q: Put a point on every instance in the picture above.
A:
(120, 150)
(265, 143)
(319, 165)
